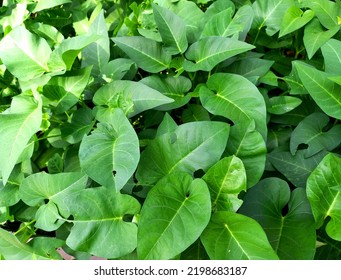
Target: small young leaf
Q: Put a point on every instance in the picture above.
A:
(231, 236)
(176, 211)
(324, 200)
(225, 180)
(294, 19)
(279, 105)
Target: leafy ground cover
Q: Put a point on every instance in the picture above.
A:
(170, 129)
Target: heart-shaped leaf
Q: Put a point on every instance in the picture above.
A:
(111, 153)
(190, 147)
(99, 225)
(294, 19)
(176, 211)
(324, 199)
(292, 234)
(234, 97)
(231, 236)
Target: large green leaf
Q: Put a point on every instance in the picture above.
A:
(176, 211)
(111, 153)
(294, 19)
(189, 147)
(33, 192)
(17, 125)
(218, 24)
(132, 97)
(21, 48)
(324, 199)
(315, 36)
(11, 248)
(64, 55)
(206, 53)
(173, 87)
(97, 54)
(247, 143)
(225, 180)
(100, 225)
(47, 4)
(332, 58)
(311, 132)
(295, 168)
(172, 30)
(64, 91)
(325, 92)
(149, 55)
(231, 236)
(270, 13)
(292, 234)
(234, 97)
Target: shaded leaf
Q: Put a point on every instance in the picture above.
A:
(279, 105)
(292, 235)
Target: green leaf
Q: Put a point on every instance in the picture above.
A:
(99, 222)
(111, 153)
(234, 97)
(132, 97)
(80, 124)
(332, 59)
(33, 192)
(325, 201)
(218, 24)
(64, 55)
(246, 143)
(97, 54)
(65, 91)
(189, 147)
(315, 36)
(20, 47)
(292, 234)
(177, 208)
(295, 168)
(324, 92)
(231, 236)
(206, 53)
(47, 4)
(326, 11)
(116, 69)
(279, 105)
(311, 132)
(294, 19)
(146, 53)
(17, 125)
(270, 13)
(225, 180)
(194, 113)
(172, 87)
(172, 30)
(12, 249)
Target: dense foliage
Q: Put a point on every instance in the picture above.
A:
(170, 129)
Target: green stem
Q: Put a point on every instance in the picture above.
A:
(24, 227)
